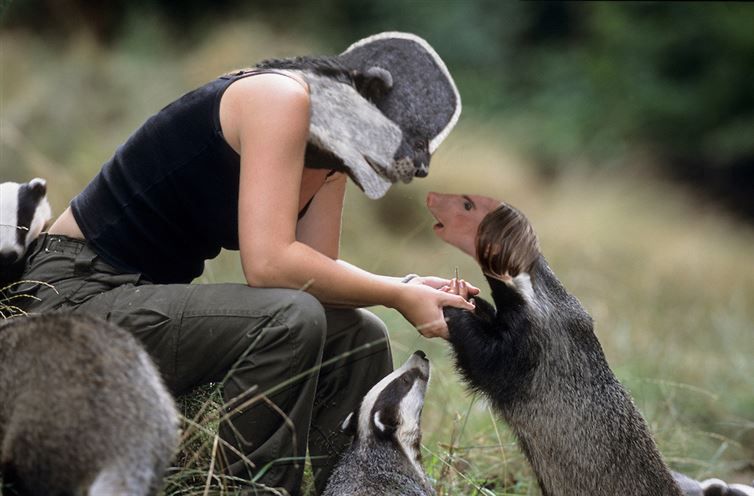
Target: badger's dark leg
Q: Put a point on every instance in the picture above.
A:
(12, 483)
(493, 350)
(484, 310)
(471, 337)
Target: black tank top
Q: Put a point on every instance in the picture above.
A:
(168, 198)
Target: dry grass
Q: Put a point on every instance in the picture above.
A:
(669, 281)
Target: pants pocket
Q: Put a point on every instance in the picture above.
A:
(151, 327)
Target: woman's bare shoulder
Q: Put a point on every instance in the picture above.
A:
(262, 87)
(258, 101)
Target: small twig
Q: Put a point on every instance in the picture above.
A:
(211, 465)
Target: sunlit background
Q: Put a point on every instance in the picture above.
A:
(624, 131)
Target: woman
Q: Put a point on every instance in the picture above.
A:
(258, 161)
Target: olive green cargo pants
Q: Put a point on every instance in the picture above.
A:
(291, 370)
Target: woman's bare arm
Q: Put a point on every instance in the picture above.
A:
(319, 228)
(273, 127)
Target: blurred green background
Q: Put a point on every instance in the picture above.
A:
(623, 130)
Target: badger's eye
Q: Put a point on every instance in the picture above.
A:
(468, 205)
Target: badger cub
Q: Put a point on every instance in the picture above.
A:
(384, 457)
(24, 211)
(538, 360)
(82, 410)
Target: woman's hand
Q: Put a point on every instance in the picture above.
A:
(461, 288)
(422, 306)
(444, 284)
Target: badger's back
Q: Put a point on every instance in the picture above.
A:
(82, 409)
(583, 435)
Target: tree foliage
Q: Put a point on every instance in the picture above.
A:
(588, 82)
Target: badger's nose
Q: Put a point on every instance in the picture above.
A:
(8, 258)
(420, 354)
(422, 170)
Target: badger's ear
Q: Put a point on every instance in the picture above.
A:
(349, 425)
(385, 423)
(38, 186)
(373, 83)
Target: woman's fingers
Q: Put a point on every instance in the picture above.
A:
(439, 327)
(444, 285)
(432, 281)
(458, 301)
(461, 288)
(472, 290)
(423, 307)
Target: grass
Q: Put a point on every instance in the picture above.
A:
(668, 280)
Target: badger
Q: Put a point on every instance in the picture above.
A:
(83, 410)
(24, 212)
(536, 357)
(384, 457)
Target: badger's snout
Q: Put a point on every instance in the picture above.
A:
(419, 361)
(8, 258)
(393, 406)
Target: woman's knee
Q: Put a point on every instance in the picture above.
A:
(367, 337)
(371, 329)
(305, 317)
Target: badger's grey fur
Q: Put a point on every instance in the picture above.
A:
(385, 458)
(346, 125)
(538, 360)
(83, 410)
(24, 211)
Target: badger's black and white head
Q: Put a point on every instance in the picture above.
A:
(391, 411)
(24, 211)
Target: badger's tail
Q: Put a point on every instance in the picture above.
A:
(710, 487)
(716, 487)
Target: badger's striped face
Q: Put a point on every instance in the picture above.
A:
(24, 211)
(391, 410)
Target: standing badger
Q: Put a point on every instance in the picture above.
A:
(538, 360)
(83, 410)
(24, 211)
(385, 458)
(536, 357)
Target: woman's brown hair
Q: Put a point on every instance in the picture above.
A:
(506, 244)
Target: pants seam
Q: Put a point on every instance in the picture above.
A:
(233, 313)
(179, 332)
